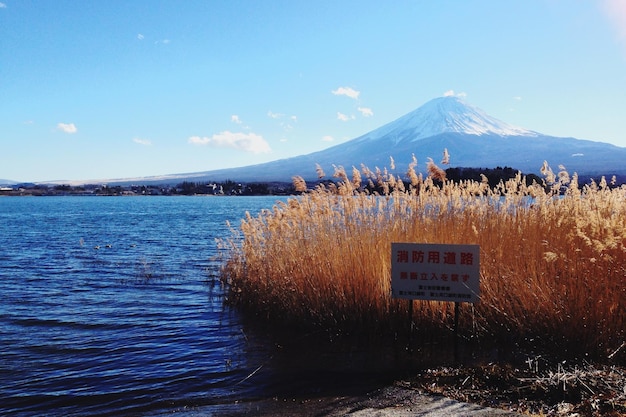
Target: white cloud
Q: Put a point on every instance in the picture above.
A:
(347, 91)
(248, 142)
(285, 125)
(451, 93)
(144, 142)
(517, 98)
(140, 36)
(328, 138)
(67, 127)
(235, 119)
(365, 111)
(274, 115)
(3, 6)
(344, 117)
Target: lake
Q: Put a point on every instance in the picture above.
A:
(112, 306)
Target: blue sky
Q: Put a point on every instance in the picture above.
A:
(118, 89)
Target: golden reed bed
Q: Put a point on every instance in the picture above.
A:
(553, 257)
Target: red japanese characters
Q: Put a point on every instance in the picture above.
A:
(435, 271)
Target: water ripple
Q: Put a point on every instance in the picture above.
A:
(106, 307)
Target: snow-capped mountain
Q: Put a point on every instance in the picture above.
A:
(471, 136)
(445, 115)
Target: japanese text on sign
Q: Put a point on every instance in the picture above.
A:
(435, 271)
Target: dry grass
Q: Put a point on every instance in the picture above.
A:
(553, 257)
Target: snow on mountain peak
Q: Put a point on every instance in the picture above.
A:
(447, 115)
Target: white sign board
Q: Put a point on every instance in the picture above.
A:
(435, 272)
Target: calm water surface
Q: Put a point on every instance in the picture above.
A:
(109, 306)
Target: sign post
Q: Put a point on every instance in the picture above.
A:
(437, 272)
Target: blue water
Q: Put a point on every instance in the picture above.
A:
(112, 306)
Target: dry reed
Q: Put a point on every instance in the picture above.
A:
(553, 257)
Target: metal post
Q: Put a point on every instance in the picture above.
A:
(409, 347)
(456, 332)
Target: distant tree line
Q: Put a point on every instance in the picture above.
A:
(229, 187)
(494, 175)
(232, 188)
(225, 188)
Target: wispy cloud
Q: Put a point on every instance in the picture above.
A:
(347, 91)
(354, 94)
(517, 98)
(366, 111)
(451, 93)
(235, 119)
(282, 116)
(144, 142)
(344, 117)
(273, 115)
(3, 6)
(328, 138)
(248, 142)
(140, 36)
(67, 127)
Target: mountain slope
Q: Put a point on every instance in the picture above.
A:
(443, 115)
(472, 137)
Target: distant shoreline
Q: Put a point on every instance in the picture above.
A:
(183, 189)
(279, 188)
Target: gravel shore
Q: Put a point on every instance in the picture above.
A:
(491, 390)
(394, 401)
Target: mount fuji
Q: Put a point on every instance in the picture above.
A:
(472, 137)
